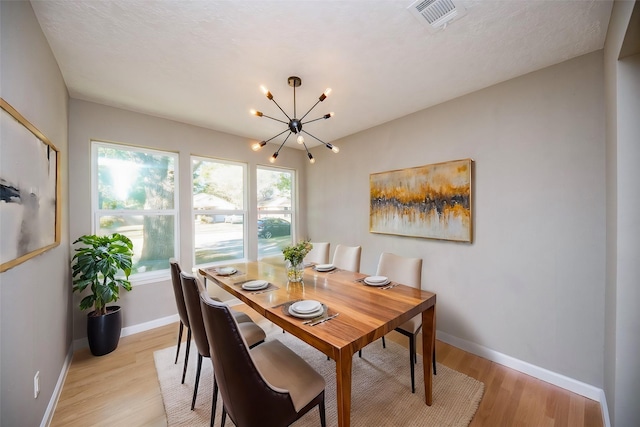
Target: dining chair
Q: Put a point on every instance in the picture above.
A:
(319, 254)
(250, 332)
(182, 312)
(268, 385)
(183, 315)
(407, 271)
(347, 257)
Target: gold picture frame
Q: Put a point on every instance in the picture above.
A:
(30, 190)
(432, 201)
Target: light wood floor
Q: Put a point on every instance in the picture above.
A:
(121, 388)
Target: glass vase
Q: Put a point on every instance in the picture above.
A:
(295, 272)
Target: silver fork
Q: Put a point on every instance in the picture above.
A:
(389, 287)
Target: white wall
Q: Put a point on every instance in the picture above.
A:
(622, 318)
(89, 121)
(35, 312)
(531, 285)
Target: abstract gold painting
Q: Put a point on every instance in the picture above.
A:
(29, 190)
(432, 201)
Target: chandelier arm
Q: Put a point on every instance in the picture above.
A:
(308, 153)
(305, 114)
(277, 135)
(305, 146)
(283, 112)
(314, 137)
(319, 118)
(283, 142)
(273, 118)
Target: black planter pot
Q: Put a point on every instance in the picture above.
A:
(103, 332)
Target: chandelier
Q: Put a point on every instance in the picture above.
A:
(294, 125)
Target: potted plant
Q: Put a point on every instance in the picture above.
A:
(103, 266)
(294, 255)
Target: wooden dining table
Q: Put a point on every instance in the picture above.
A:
(366, 313)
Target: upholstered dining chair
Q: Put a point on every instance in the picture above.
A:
(268, 385)
(183, 315)
(407, 271)
(347, 257)
(319, 254)
(251, 333)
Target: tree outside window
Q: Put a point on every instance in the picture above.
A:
(135, 195)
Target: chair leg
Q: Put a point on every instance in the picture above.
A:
(179, 341)
(434, 360)
(195, 387)
(186, 356)
(323, 420)
(214, 399)
(360, 353)
(412, 356)
(224, 416)
(384, 343)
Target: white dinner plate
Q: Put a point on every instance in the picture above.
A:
(311, 315)
(377, 279)
(325, 267)
(367, 282)
(255, 285)
(306, 306)
(226, 271)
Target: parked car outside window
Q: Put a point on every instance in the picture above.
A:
(234, 219)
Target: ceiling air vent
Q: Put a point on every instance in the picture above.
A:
(437, 13)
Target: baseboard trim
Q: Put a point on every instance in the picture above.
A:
(141, 327)
(567, 383)
(55, 397)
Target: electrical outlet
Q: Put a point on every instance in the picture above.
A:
(36, 385)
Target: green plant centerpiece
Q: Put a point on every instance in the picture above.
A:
(294, 255)
(102, 266)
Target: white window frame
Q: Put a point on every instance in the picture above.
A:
(151, 276)
(213, 212)
(294, 200)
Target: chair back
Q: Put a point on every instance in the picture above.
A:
(248, 399)
(347, 257)
(319, 254)
(177, 291)
(407, 271)
(191, 287)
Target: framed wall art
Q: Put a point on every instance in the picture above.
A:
(432, 201)
(29, 190)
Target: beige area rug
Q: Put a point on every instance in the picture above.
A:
(381, 390)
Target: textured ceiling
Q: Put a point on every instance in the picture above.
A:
(202, 62)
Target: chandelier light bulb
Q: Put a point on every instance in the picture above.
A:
(273, 158)
(311, 159)
(325, 94)
(258, 145)
(335, 149)
(300, 139)
(266, 92)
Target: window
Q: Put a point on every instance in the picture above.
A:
(275, 213)
(219, 210)
(135, 193)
